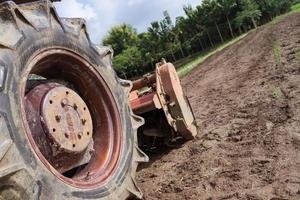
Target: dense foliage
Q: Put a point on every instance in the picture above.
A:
(209, 24)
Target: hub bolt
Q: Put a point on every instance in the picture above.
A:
(75, 106)
(57, 118)
(64, 102)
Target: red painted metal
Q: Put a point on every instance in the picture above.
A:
(64, 146)
(183, 119)
(144, 103)
(67, 119)
(147, 80)
(63, 65)
(165, 94)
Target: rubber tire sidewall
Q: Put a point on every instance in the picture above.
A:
(15, 61)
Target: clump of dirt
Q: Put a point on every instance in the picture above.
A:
(247, 103)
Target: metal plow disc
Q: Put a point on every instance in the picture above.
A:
(176, 105)
(160, 99)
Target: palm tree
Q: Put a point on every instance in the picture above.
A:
(250, 10)
(207, 12)
(194, 24)
(227, 6)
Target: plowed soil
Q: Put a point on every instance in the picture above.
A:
(247, 104)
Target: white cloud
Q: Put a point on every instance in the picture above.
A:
(101, 15)
(73, 8)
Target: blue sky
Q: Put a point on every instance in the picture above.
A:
(101, 15)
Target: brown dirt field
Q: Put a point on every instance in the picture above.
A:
(248, 111)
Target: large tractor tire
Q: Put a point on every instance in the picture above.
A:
(67, 131)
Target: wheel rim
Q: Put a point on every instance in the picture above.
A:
(67, 70)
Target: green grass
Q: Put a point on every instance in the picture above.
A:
(186, 68)
(190, 63)
(278, 19)
(276, 49)
(296, 7)
(277, 54)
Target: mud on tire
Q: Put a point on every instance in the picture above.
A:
(26, 30)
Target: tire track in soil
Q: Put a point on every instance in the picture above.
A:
(248, 111)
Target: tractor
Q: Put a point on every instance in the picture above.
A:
(69, 125)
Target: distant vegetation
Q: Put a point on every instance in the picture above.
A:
(201, 29)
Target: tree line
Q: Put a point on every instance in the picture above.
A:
(202, 28)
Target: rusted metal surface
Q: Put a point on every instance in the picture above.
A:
(147, 80)
(58, 129)
(166, 94)
(103, 154)
(176, 104)
(67, 119)
(144, 103)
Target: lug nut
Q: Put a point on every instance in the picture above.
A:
(75, 106)
(64, 102)
(57, 118)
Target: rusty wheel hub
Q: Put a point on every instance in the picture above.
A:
(62, 125)
(76, 133)
(67, 119)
